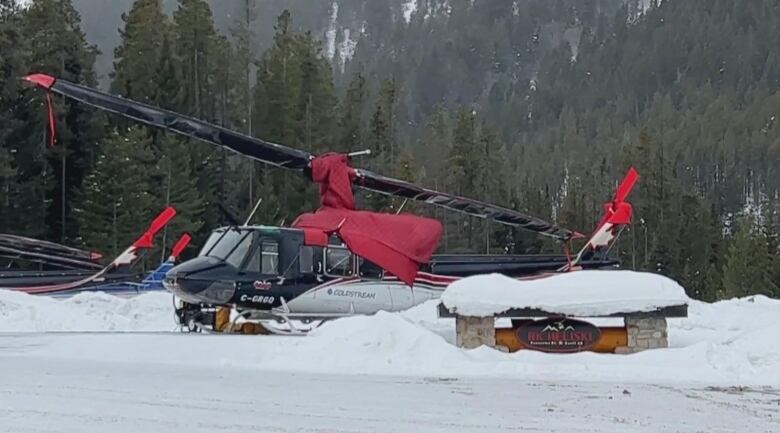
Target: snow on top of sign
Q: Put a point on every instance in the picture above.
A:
(581, 293)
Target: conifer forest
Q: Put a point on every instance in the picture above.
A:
(537, 105)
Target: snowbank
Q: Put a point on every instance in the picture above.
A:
(85, 312)
(582, 293)
(727, 343)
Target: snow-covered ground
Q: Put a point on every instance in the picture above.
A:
(388, 372)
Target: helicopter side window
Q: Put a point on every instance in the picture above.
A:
(270, 257)
(369, 270)
(265, 259)
(339, 261)
(306, 259)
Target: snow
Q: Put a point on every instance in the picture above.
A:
(727, 343)
(105, 397)
(85, 312)
(330, 34)
(581, 293)
(344, 48)
(82, 364)
(409, 7)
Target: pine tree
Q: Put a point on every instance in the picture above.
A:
(169, 92)
(464, 165)
(178, 189)
(294, 105)
(59, 48)
(317, 100)
(140, 53)
(244, 60)
(10, 68)
(195, 42)
(351, 122)
(491, 184)
(747, 267)
(386, 113)
(118, 201)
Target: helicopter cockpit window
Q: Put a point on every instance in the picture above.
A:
(236, 257)
(224, 243)
(338, 261)
(213, 238)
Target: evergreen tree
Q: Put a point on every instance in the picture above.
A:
(11, 67)
(118, 201)
(351, 122)
(59, 48)
(140, 53)
(244, 60)
(387, 107)
(294, 105)
(464, 170)
(747, 267)
(196, 43)
(178, 189)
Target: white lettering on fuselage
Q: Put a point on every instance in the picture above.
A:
(352, 293)
(257, 299)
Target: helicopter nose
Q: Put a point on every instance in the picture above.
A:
(202, 280)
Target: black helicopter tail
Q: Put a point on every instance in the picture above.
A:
(120, 265)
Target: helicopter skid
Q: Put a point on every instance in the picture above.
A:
(205, 319)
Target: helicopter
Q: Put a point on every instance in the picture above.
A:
(337, 261)
(45, 268)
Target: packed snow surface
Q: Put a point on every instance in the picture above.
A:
(80, 365)
(727, 343)
(582, 293)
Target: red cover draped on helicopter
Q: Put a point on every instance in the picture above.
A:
(397, 243)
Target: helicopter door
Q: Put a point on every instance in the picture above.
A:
(262, 267)
(357, 295)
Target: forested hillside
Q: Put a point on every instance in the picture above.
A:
(536, 104)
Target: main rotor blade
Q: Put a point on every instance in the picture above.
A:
(385, 185)
(265, 151)
(283, 156)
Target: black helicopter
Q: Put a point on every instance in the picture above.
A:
(338, 261)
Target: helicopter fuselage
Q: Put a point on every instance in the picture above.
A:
(271, 272)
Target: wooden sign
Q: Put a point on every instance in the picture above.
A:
(559, 335)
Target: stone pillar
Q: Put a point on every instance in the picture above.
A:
(645, 332)
(472, 332)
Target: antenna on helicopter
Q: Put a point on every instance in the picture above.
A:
(254, 210)
(401, 208)
(232, 220)
(359, 153)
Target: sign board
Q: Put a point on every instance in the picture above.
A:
(558, 335)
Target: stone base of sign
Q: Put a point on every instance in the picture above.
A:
(644, 333)
(473, 332)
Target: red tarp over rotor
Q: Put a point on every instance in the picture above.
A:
(397, 243)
